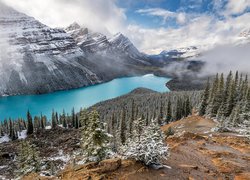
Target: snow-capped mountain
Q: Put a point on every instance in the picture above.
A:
(35, 58)
(96, 43)
(181, 52)
(89, 41)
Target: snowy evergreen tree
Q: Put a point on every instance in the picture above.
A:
(28, 158)
(229, 101)
(204, 101)
(95, 141)
(84, 119)
(148, 146)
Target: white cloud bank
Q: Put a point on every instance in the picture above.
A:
(204, 31)
(224, 58)
(101, 15)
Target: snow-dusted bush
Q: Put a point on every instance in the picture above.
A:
(147, 146)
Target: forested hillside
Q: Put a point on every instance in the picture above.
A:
(227, 100)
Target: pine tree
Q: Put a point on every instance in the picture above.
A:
(84, 119)
(179, 109)
(1, 131)
(77, 122)
(12, 133)
(73, 119)
(231, 99)
(161, 115)
(95, 144)
(132, 117)
(42, 122)
(30, 129)
(63, 117)
(188, 108)
(57, 119)
(123, 127)
(204, 102)
(53, 120)
(28, 158)
(169, 113)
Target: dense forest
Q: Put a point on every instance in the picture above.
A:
(227, 100)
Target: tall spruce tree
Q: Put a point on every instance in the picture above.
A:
(53, 120)
(169, 112)
(123, 127)
(73, 118)
(204, 101)
(132, 117)
(95, 145)
(30, 128)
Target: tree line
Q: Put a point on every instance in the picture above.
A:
(227, 99)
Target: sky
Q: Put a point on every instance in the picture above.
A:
(152, 25)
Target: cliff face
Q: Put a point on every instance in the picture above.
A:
(35, 58)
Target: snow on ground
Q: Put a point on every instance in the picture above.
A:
(61, 156)
(5, 138)
(22, 134)
(1, 167)
(48, 127)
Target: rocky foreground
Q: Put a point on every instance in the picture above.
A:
(196, 153)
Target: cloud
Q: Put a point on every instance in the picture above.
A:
(164, 14)
(224, 58)
(203, 31)
(235, 7)
(99, 15)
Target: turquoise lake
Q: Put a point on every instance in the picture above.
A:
(17, 106)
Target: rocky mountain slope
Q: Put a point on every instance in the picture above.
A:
(36, 59)
(116, 55)
(118, 46)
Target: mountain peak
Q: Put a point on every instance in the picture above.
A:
(119, 38)
(73, 26)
